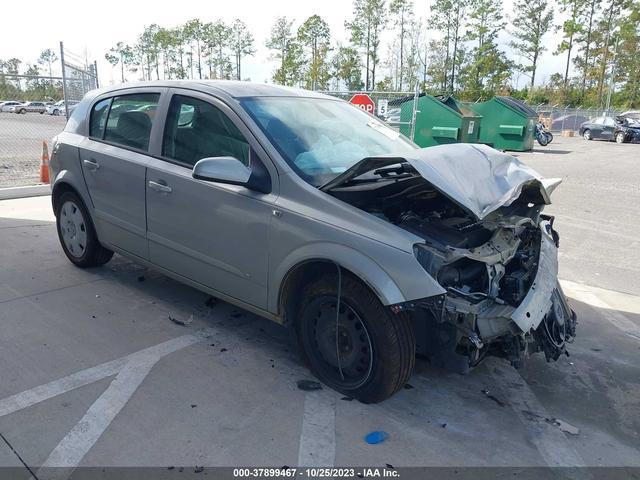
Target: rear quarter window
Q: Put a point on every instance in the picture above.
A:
(98, 118)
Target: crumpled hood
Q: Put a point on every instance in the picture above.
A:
(477, 177)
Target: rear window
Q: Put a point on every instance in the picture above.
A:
(130, 120)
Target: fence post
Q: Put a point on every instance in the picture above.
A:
(416, 95)
(64, 82)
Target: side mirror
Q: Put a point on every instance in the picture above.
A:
(222, 169)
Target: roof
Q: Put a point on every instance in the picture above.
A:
(232, 88)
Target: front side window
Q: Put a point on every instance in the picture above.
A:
(98, 118)
(321, 138)
(195, 129)
(130, 120)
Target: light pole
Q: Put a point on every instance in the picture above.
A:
(613, 74)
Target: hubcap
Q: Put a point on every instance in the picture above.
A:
(342, 349)
(73, 228)
(587, 135)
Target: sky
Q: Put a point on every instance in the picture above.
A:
(90, 29)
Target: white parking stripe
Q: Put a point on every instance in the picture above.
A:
(75, 445)
(90, 375)
(552, 444)
(318, 435)
(594, 297)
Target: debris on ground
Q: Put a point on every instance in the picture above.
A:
(222, 350)
(198, 469)
(211, 302)
(556, 422)
(141, 278)
(408, 386)
(389, 466)
(444, 425)
(184, 323)
(97, 296)
(308, 385)
(492, 397)
(347, 399)
(212, 344)
(194, 405)
(236, 314)
(564, 426)
(376, 437)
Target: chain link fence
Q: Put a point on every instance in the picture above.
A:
(34, 111)
(387, 107)
(557, 118)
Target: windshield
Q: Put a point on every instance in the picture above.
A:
(321, 138)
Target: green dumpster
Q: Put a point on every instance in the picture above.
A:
(507, 123)
(440, 120)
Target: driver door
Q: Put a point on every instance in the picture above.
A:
(212, 233)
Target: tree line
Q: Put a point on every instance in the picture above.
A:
(33, 86)
(471, 49)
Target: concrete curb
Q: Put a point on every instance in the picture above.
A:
(26, 191)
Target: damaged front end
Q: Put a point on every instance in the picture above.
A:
(485, 241)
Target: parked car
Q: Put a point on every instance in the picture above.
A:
(308, 211)
(25, 107)
(58, 107)
(6, 106)
(627, 129)
(599, 128)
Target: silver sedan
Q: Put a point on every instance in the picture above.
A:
(307, 210)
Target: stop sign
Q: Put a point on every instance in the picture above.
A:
(363, 101)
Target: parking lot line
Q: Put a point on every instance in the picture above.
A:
(551, 442)
(318, 434)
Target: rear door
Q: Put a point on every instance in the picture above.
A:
(214, 234)
(114, 157)
(608, 126)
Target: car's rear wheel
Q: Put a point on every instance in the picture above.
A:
(358, 348)
(23, 111)
(586, 134)
(56, 112)
(77, 234)
(619, 137)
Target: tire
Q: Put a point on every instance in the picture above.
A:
(549, 137)
(22, 111)
(365, 324)
(56, 112)
(587, 134)
(542, 139)
(77, 234)
(619, 137)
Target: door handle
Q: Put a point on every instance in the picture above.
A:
(159, 187)
(91, 164)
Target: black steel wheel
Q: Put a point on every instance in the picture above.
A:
(362, 349)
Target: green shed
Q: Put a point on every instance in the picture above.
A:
(440, 120)
(507, 123)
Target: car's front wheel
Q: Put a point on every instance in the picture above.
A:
(586, 134)
(359, 347)
(619, 137)
(77, 234)
(23, 111)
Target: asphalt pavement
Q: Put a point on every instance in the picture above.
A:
(96, 374)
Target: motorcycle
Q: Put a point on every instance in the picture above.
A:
(543, 136)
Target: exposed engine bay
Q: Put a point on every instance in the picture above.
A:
(499, 271)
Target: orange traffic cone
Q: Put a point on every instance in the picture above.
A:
(44, 164)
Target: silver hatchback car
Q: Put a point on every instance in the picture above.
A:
(308, 211)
